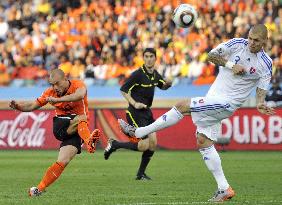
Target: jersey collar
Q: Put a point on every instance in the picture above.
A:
(143, 68)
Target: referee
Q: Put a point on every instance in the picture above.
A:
(139, 90)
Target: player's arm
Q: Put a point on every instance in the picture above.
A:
(24, 106)
(216, 59)
(76, 96)
(221, 61)
(219, 56)
(261, 106)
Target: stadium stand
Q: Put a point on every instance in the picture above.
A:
(101, 41)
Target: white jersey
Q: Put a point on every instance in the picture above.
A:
(237, 88)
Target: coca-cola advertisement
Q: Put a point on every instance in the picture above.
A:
(28, 130)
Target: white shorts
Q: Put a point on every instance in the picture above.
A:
(207, 114)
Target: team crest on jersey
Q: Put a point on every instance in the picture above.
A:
(201, 101)
(220, 51)
(252, 70)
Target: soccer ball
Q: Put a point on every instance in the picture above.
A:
(184, 15)
(34, 191)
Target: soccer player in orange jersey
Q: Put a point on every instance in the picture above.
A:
(70, 124)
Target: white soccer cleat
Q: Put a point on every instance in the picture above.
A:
(126, 128)
(34, 191)
(223, 195)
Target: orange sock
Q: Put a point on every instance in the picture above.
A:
(83, 130)
(52, 173)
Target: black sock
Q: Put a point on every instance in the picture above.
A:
(125, 145)
(146, 157)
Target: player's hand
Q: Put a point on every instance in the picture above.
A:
(139, 105)
(264, 109)
(238, 70)
(52, 100)
(14, 105)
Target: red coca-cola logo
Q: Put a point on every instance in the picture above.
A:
(24, 130)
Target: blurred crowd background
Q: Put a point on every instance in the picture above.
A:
(101, 41)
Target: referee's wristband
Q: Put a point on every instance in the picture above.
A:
(229, 64)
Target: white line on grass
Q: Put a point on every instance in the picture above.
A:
(195, 202)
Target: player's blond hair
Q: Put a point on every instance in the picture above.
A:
(260, 29)
(57, 72)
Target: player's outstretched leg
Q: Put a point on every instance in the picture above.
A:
(168, 119)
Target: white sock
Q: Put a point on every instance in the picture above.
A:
(213, 162)
(169, 118)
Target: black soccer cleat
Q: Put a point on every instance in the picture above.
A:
(143, 177)
(109, 149)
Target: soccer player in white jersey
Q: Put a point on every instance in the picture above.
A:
(244, 66)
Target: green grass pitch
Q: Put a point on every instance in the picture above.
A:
(179, 177)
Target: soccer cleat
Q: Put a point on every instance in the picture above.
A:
(224, 195)
(143, 177)
(93, 140)
(109, 149)
(34, 191)
(129, 131)
(126, 128)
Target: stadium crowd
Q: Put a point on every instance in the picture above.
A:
(101, 41)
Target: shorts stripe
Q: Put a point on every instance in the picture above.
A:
(135, 124)
(209, 107)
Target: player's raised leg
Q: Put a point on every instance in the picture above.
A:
(168, 119)
(79, 124)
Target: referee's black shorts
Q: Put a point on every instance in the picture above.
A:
(139, 118)
(60, 126)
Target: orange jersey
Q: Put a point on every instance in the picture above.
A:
(65, 108)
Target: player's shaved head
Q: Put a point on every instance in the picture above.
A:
(57, 73)
(257, 38)
(261, 30)
(58, 81)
